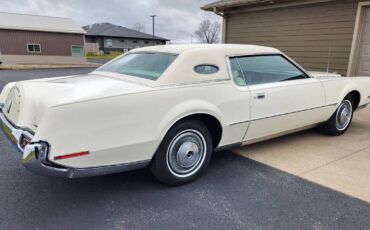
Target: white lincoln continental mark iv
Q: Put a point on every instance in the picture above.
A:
(169, 108)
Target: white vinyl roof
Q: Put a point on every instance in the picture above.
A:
(208, 49)
(39, 23)
(181, 71)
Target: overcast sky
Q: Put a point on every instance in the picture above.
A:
(177, 19)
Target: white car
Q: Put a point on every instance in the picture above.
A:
(170, 107)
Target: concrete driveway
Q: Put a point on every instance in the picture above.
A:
(341, 163)
(234, 193)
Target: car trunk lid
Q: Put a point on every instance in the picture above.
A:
(27, 101)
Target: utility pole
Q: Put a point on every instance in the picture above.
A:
(153, 16)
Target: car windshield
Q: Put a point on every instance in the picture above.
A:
(144, 65)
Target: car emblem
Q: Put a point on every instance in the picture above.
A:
(9, 107)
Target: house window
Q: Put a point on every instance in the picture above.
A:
(135, 41)
(122, 40)
(33, 48)
(109, 43)
(146, 42)
(77, 51)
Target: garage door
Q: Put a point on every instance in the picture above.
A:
(363, 62)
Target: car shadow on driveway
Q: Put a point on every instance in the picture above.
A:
(234, 193)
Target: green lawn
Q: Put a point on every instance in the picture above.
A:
(111, 55)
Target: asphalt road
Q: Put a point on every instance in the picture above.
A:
(234, 193)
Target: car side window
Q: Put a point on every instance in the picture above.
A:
(269, 69)
(236, 72)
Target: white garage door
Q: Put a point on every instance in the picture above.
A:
(363, 62)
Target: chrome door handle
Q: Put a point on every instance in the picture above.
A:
(260, 96)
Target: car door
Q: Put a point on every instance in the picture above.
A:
(284, 97)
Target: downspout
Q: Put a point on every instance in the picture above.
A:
(224, 24)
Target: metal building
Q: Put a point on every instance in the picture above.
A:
(31, 39)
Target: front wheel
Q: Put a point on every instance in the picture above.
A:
(183, 154)
(341, 119)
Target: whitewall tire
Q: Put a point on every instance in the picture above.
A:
(341, 120)
(183, 154)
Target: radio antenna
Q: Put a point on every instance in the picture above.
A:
(328, 65)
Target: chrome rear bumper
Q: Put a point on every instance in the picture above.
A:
(35, 156)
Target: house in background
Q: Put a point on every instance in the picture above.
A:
(315, 33)
(109, 37)
(31, 39)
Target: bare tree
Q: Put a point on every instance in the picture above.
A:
(208, 32)
(139, 27)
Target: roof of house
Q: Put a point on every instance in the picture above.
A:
(232, 3)
(111, 30)
(13, 21)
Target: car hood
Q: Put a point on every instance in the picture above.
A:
(324, 75)
(27, 101)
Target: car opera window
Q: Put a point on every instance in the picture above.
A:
(33, 48)
(269, 69)
(144, 65)
(206, 69)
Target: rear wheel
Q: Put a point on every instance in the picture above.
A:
(341, 119)
(183, 154)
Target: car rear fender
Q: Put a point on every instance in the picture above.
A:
(185, 109)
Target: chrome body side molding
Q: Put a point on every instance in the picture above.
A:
(262, 118)
(304, 110)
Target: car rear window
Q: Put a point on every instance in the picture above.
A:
(144, 65)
